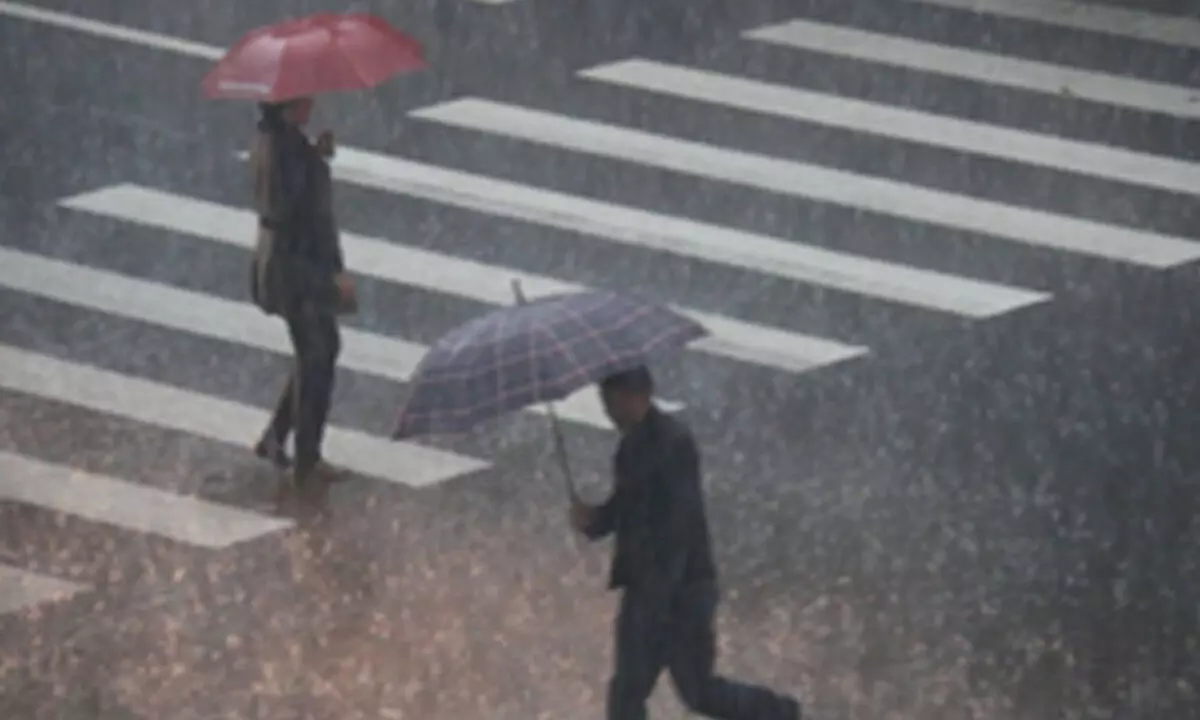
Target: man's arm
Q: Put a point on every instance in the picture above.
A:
(684, 509)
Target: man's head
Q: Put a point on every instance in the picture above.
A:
(627, 395)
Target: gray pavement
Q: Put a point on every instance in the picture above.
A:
(947, 434)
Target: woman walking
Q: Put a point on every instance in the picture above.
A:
(298, 274)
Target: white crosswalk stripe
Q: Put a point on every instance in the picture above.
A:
(129, 505)
(492, 190)
(442, 273)
(214, 418)
(22, 589)
(702, 241)
(963, 135)
(1183, 32)
(983, 67)
(817, 183)
(201, 314)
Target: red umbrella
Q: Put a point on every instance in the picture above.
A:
(313, 55)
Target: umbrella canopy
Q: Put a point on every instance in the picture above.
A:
(538, 352)
(311, 56)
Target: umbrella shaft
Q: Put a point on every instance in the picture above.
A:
(560, 449)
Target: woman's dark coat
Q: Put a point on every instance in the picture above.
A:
(299, 250)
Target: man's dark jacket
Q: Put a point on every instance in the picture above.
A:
(657, 511)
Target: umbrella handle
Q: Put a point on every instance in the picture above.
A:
(560, 444)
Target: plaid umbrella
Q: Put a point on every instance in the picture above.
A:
(535, 352)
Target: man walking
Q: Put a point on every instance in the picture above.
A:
(663, 562)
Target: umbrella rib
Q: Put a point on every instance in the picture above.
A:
(348, 59)
(591, 333)
(578, 369)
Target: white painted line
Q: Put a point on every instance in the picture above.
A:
(1090, 17)
(21, 589)
(185, 411)
(1031, 227)
(109, 31)
(938, 130)
(130, 506)
(892, 282)
(439, 273)
(236, 322)
(983, 67)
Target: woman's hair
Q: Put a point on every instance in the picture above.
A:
(271, 116)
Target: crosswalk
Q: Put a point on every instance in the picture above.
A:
(983, 67)
(574, 218)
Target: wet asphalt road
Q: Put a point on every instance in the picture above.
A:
(988, 519)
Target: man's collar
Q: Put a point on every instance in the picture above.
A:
(649, 419)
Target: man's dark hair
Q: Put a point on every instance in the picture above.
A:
(636, 381)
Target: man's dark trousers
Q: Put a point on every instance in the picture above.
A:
(307, 396)
(684, 642)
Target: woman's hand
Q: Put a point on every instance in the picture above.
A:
(347, 293)
(325, 145)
